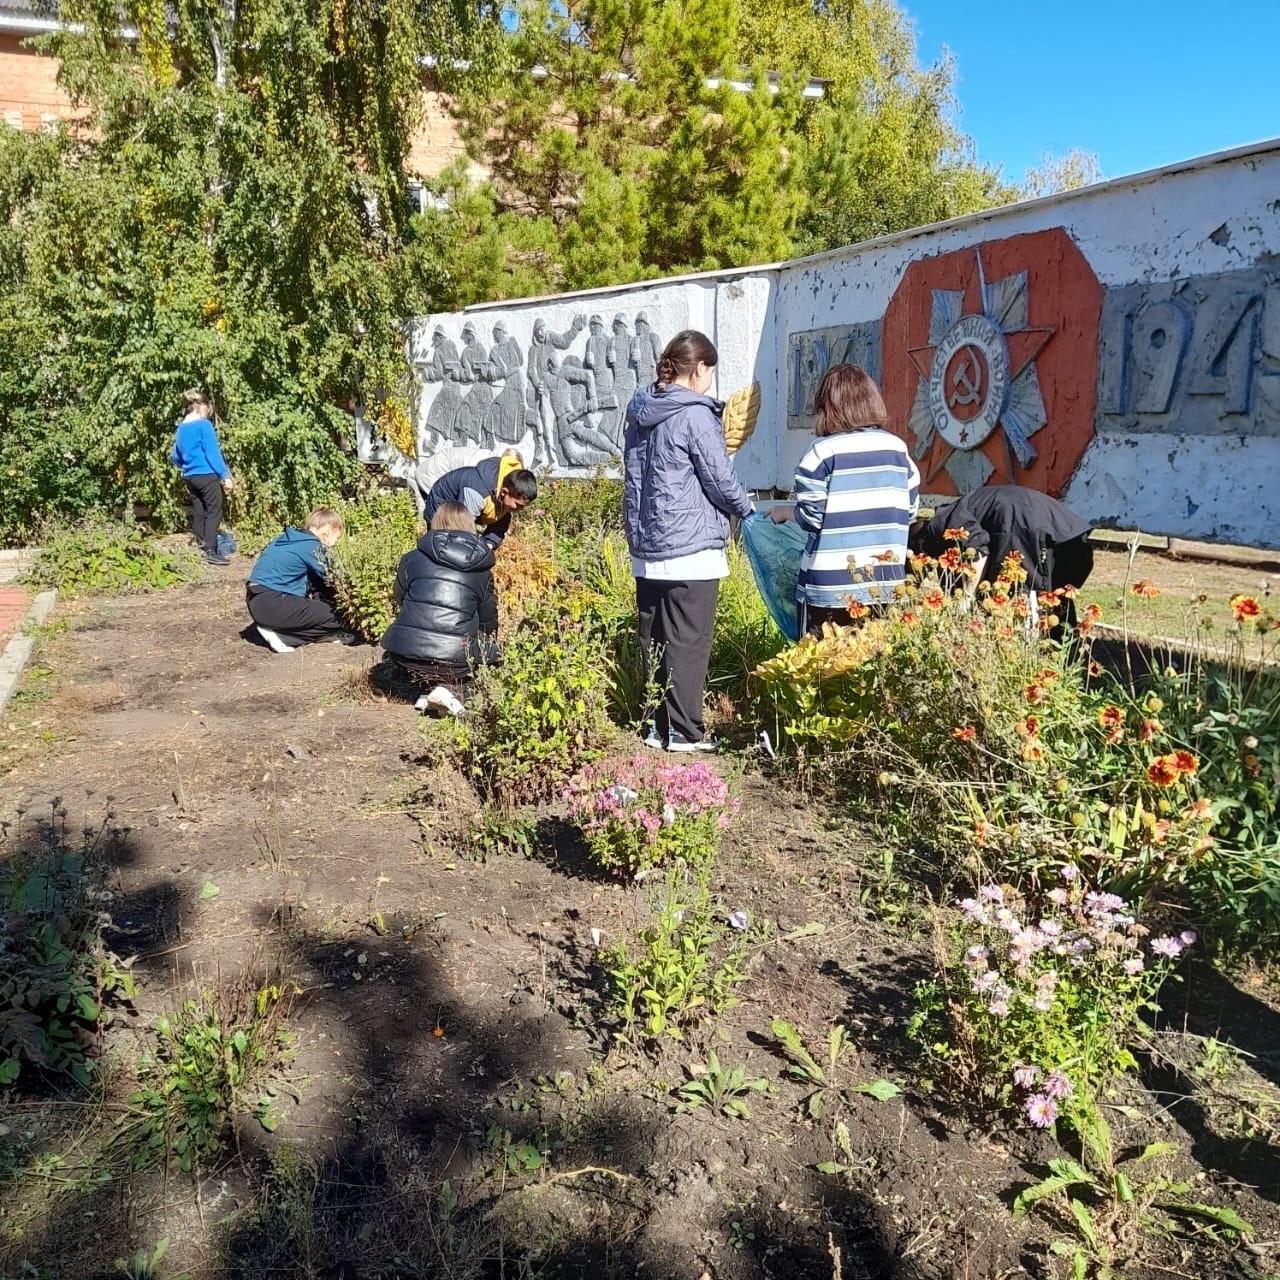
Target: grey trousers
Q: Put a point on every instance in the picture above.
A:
(676, 622)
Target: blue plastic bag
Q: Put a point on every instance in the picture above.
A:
(774, 552)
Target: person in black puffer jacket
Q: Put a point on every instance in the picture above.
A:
(448, 610)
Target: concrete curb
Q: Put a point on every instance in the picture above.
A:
(18, 650)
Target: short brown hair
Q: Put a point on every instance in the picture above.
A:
(325, 520)
(847, 399)
(453, 515)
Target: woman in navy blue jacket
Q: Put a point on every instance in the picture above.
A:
(679, 491)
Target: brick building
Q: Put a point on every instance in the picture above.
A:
(31, 97)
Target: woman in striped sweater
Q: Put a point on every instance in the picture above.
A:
(857, 491)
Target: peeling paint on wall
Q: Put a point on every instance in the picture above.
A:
(1119, 346)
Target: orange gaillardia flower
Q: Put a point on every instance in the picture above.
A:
(1110, 717)
(1034, 693)
(955, 535)
(934, 599)
(1028, 728)
(1245, 608)
(1032, 750)
(1151, 727)
(966, 733)
(1164, 771)
(951, 559)
(1145, 588)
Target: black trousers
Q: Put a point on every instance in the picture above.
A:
(295, 619)
(676, 621)
(429, 674)
(206, 510)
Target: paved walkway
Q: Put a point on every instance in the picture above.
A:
(14, 602)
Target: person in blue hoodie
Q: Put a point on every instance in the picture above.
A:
(285, 592)
(679, 490)
(196, 452)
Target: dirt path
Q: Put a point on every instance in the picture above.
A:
(448, 1024)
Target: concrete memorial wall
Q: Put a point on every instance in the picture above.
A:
(1118, 347)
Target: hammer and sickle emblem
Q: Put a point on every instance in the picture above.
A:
(966, 382)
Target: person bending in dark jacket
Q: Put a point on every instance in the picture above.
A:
(448, 610)
(679, 489)
(286, 587)
(491, 491)
(1052, 539)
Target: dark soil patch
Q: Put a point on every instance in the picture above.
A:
(448, 1023)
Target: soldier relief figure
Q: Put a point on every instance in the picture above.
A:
(565, 408)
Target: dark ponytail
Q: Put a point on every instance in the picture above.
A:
(683, 354)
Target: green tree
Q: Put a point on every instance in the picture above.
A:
(626, 140)
(1076, 168)
(647, 138)
(231, 214)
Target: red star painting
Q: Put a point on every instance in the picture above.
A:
(990, 363)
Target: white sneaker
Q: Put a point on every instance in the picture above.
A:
(440, 699)
(277, 645)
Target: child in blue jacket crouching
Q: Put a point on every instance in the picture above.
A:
(285, 592)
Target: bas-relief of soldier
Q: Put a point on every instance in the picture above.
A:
(573, 406)
(443, 368)
(507, 423)
(618, 359)
(543, 364)
(471, 425)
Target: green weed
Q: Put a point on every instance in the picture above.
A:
(682, 968)
(212, 1060)
(100, 556)
(722, 1089)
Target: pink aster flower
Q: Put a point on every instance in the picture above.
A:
(1041, 1110)
(1168, 947)
(1057, 896)
(1024, 1076)
(1069, 872)
(1187, 937)
(1057, 1085)
(1134, 966)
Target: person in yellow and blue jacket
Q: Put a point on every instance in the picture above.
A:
(492, 490)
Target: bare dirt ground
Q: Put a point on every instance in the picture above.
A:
(271, 813)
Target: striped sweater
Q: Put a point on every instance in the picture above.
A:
(856, 495)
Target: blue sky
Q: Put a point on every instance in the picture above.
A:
(1137, 82)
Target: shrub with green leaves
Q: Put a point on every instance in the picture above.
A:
(98, 555)
(379, 531)
(575, 507)
(57, 979)
(538, 717)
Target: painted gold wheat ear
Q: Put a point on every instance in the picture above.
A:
(740, 413)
